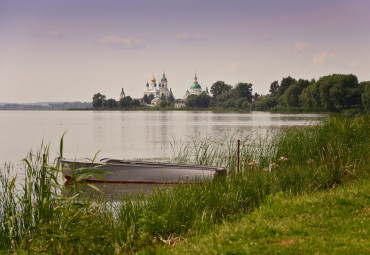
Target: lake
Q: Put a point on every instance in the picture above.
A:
(127, 134)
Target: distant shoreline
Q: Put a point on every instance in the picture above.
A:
(149, 109)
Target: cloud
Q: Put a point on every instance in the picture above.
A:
(320, 58)
(233, 67)
(54, 33)
(352, 64)
(119, 42)
(185, 36)
(300, 46)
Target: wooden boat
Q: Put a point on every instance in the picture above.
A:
(122, 171)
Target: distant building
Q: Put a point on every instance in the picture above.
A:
(157, 90)
(156, 101)
(195, 88)
(180, 103)
(122, 95)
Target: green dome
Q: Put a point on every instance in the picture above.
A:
(164, 79)
(195, 85)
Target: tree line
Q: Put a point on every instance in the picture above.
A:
(332, 93)
(223, 96)
(100, 101)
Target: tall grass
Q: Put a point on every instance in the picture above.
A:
(28, 206)
(40, 215)
(222, 151)
(42, 218)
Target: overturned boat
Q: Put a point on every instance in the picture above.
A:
(122, 171)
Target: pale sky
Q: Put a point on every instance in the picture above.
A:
(68, 50)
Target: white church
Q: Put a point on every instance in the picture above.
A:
(161, 88)
(195, 89)
(157, 90)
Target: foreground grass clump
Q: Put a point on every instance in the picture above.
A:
(42, 218)
(37, 216)
(326, 222)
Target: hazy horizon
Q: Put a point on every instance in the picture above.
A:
(66, 51)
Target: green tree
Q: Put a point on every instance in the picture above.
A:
(203, 100)
(164, 104)
(274, 87)
(134, 103)
(285, 84)
(256, 96)
(105, 103)
(163, 97)
(151, 97)
(191, 101)
(111, 103)
(244, 90)
(302, 84)
(270, 101)
(198, 101)
(171, 98)
(98, 100)
(146, 99)
(124, 102)
(283, 101)
(338, 91)
(243, 104)
(219, 87)
(230, 103)
(292, 93)
(231, 94)
(259, 105)
(310, 96)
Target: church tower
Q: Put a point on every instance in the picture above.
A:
(157, 91)
(122, 95)
(164, 81)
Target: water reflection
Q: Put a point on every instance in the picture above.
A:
(125, 134)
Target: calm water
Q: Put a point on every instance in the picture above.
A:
(126, 135)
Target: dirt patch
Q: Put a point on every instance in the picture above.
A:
(289, 241)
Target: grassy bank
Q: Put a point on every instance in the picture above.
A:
(326, 222)
(40, 218)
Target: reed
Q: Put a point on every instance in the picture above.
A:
(45, 216)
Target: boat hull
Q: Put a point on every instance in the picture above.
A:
(116, 171)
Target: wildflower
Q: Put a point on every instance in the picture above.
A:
(273, 165)
(154, 240)
(253, 163)
(282, 159)
(310, 161)
(266, 169)
(347, 167)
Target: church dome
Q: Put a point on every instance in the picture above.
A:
(195, 85)
(164, 77)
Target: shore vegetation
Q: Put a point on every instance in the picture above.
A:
(40, 215)
(330, 93)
